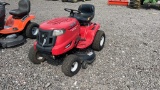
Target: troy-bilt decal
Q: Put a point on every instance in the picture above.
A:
(44, 41)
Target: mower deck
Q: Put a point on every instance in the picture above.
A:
(10, 42)
(86, 55)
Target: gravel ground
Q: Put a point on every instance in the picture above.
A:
(130, 59)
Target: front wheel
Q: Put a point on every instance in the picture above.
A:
(71, 65)
(35, 57)
(99, 41)
(32, 30)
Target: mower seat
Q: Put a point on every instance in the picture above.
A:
(87, 13)
(23, 9)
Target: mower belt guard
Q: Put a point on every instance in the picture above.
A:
(118, 2)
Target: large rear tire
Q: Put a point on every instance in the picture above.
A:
(99, 41)
(32, 30)
(71, 65)
(35, 57)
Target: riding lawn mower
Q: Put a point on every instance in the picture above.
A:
(17, 26)
(71, 39)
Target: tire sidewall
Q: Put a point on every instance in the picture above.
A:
(96, 42)
(67, 65)
(29, 29)
(33, 56)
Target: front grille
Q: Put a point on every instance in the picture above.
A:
(45, 38)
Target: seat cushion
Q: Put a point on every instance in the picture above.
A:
(84, 17)
(17, 12)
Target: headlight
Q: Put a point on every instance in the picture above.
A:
(58, 32)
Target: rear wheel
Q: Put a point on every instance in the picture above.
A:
(32, 30)
(99, 41)
(73, 1)
(35, 57)
(71, 65)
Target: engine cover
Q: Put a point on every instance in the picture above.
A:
(66, 23)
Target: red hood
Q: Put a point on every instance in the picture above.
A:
(58, 23)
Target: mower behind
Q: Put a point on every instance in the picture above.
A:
(71, 39)
(18, 25)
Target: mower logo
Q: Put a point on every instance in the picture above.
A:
(44, 41)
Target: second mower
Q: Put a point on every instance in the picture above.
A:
(17, 26)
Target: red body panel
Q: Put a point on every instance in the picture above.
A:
(87, 34)
(15, 25)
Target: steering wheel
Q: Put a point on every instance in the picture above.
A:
(72, 11)
(4, 3)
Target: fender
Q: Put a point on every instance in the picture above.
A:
(16, 25)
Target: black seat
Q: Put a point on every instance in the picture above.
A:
(87, 13)
(23, 9)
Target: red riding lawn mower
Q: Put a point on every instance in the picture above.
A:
(136, 4)
(71, 39)
(17, 26)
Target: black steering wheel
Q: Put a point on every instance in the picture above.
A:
(4, 3)
(72, 11)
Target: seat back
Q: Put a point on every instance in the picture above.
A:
(87, 9)
(24, 5)
(23, 9)
(87, 13)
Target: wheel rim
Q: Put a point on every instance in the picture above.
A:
(74, 66)
(102, 41)
(35, 31)
(39, 57)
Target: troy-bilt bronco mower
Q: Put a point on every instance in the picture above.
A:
(74, 1)
(71, 39)
(17, 26)
(136, 4)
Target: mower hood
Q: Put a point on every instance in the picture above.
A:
(59, 23)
